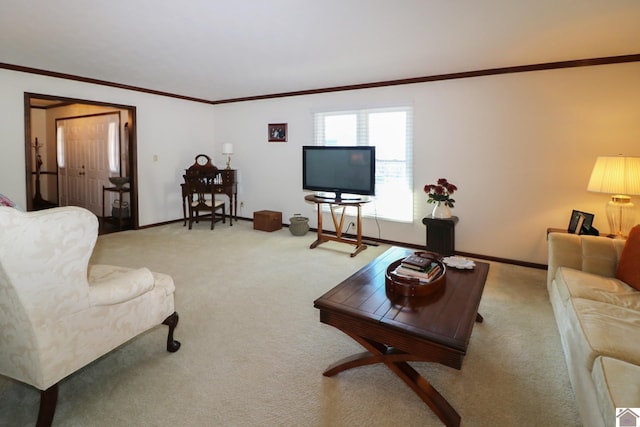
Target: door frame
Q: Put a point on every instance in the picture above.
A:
(30, 99)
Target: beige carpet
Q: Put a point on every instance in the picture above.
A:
(253, 350)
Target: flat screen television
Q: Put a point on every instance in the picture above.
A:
(339, 170)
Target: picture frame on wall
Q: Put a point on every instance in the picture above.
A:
(580, 222)
(278, 132)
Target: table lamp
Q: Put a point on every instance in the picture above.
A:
(227, 149)
(620, 177)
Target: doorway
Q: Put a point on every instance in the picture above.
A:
(44, 153)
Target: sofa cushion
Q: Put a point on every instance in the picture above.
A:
(578, 284)
(120, 286)
(5, 201)
(601, 329)
(98, 273)
(629, 265)
(617, 385)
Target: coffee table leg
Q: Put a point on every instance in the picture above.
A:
(360, 359)
(427, 393)
(397, 362)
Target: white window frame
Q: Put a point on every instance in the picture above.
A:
(394, 191)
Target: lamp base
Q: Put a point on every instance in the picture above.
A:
(621, 215)
(228, 162)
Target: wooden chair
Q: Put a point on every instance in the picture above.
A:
(199, 189)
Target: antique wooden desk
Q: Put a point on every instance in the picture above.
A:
(395, 331)
(225, 182)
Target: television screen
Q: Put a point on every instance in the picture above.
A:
(340, 170)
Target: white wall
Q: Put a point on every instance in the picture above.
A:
(172, 129)
(520, 148)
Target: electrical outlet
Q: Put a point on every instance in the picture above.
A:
(352, 224)
(242, 204)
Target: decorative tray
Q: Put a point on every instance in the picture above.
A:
(399, 284)
(459, 262)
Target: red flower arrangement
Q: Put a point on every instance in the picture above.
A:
(441, 192)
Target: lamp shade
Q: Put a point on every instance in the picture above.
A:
(227, 148)
(615, 175)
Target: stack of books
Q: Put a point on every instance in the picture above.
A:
(425, 269)
(416, 262)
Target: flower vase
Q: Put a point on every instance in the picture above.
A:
(441, 211)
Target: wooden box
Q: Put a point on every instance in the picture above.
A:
(267, 220)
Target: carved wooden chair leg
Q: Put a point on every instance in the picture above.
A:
(48, 401)
(172, 322)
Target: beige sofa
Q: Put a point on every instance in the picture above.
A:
(598, 317)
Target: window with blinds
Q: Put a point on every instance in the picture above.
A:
(390, 130)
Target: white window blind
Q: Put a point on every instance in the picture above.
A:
(390, 130)
(60, 145)
(113, 146)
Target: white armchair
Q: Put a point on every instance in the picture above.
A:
(58, 313)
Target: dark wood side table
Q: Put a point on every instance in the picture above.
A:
(123, 219)
(441, 236)
(565, 231)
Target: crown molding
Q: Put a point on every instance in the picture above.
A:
(608, 60)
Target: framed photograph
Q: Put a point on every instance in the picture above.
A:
(277, 132)
(580, 222)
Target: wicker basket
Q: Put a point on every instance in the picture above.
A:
(299, 225)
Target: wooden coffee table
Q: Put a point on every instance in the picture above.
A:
(395, 331)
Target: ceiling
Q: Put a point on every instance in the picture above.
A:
(218, 50)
